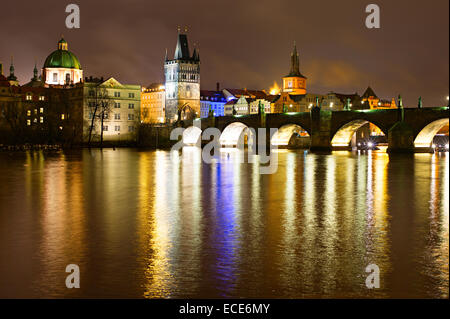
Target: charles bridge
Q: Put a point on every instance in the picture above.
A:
(406, 129)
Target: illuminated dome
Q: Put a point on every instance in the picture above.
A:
(62, 66)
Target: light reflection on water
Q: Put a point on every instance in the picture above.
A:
(143, 224)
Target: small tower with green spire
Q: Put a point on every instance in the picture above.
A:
(35, 73)
(11, 76)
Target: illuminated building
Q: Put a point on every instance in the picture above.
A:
(240, 106)
(374, 102)
(263, 104)
(62, 67)
(182, 75)
(294, 83)
(121, 103)
(153, 99)
(247, 101)
(213, 101)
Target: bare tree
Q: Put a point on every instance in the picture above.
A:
(13, 115)
(99, 106)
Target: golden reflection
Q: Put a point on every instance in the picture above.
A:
(288, 220)
(309, 226)
(439, 220)
(330, 227)
(378, 224)
(154, 224)
(63, 219)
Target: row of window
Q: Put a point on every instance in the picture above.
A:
(41, 110)
(117, 128)
(130, 106)
(29, 97)
(116, 94)
(131, 117)
(41, 120)
(212, 99)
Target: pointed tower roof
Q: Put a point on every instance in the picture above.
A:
(369, 92)
(182, 48)
(35, 73)
(295, 64)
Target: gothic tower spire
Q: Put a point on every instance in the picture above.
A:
(295, 62)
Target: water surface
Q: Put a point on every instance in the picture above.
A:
(142, 226)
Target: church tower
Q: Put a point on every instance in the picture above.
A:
(295, 83)
(182, 83)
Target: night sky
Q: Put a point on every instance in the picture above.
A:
(245, 44)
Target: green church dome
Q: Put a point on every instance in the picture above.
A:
(62, 58)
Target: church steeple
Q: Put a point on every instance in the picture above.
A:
(11, 76)
(295, 83)
(295, 63)
(35, 73)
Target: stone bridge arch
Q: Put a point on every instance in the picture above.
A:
(424, 139)
(283, 137)
(278, 120)
(234, 134)
(344, 135)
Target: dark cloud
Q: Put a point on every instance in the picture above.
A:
(245, 43)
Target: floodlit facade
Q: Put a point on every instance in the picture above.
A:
(182, 83)
(121, 105)
(153, 99)
(212, 101)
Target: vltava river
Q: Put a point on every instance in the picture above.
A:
(141, 225)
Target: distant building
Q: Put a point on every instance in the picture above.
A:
(153, 102)
(263, 104)
(240, 106)
(120, 104)
(182, 84)
(375, 102)
(213, 101)
(237, 93)
(62, 67)
(229, 107)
